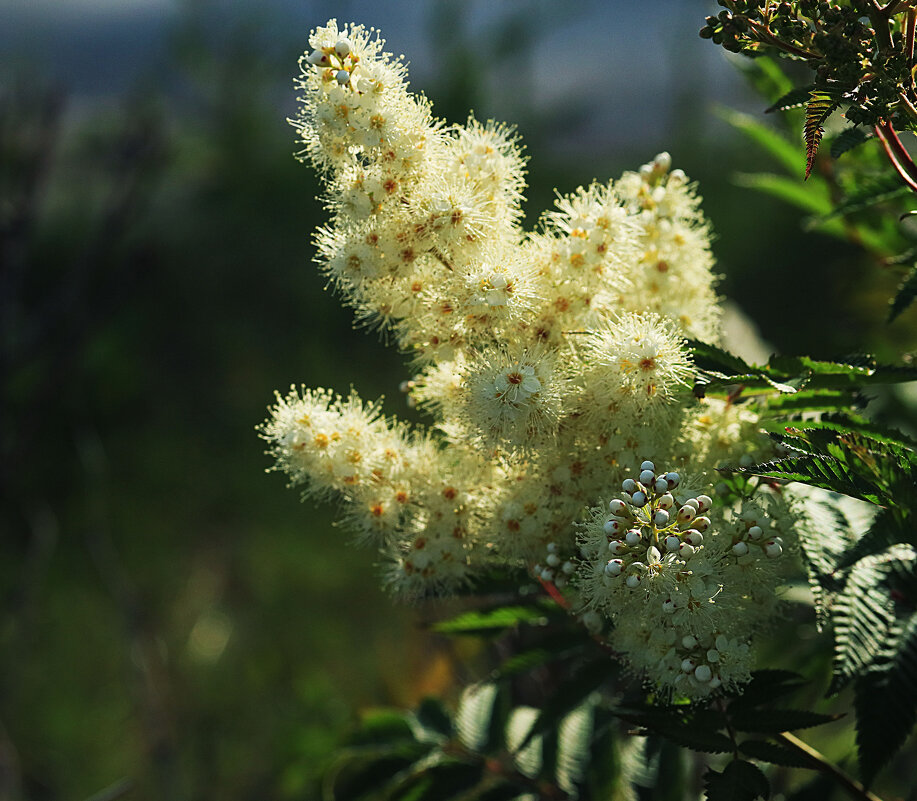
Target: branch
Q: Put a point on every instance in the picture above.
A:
(897, 154)
(821, 763)
(767, 37)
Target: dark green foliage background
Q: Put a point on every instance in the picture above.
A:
(172, 618)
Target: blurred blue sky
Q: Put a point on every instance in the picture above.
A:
(625, 65)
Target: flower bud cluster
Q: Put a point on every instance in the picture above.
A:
(674, 573)
(556, 568)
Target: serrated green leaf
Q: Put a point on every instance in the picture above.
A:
(710, 358)
(868, 193)
(523, 742)
(698, 732)
(765, 687)
(774, 753)
(863, 614)
(904, 295)
(848, 139)
(886, 702)
(574, 738)
(818, 109)
(818, 471)
(474, 715)
(492, 620)
(569, 694)
(739, 781)
(810, 400)
(775, 721)
(431, 721)
(795, 98)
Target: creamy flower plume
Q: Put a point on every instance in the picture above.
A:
(550, 362)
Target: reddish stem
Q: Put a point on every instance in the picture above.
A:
(897, 154)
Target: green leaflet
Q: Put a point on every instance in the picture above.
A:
(493, 620)
(795, 98)
(868, 193)
(774, 753)
(848, 139)
(863, 614)
(904, 295)
(886, 702)
(739, 781)
(818, 109)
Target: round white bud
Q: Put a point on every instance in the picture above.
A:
(629, 485)
(694, 537)
(647, 477)
(342, 48)
(633, 536)
(722, 642)
(551, 547)
(617, 547)
(686, 550)
(672, 543)
(547, 574)
(755, 533)
(713, 655)
(689, 641)
(740, 549)
(614, 567)
(318, 59)
(672, 480)
(593, 622)
(773, 549)
(569, 568)
(666, 501)
(686, 513)
(715, 682)
(694, 503)
(663, 162)
(678, 177)
(701, 523)
(639, 499)
(342, 77)
(553, 560)
(661, 484)
(647, 465)
(618, 507)
(687, 666)
(613, 526)
(703, 673)
(632, 581)
(668, 606)
(661, 518)
(705, 502)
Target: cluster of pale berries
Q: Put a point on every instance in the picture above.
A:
(684, 583)
(548, 359)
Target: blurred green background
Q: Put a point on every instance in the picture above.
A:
(175, 624)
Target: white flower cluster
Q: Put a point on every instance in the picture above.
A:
(686, 583)
(548, 359)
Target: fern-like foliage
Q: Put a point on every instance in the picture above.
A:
(904, 295)
(818, 109)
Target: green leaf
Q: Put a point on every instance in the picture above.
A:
(713, 359)
(863, 614)
(775, 721)
(848, 139)
(739, 781)
(886, 703)
(569, 694)
(818, 109)
(574, 739)
(698, 732)
(769, 140)
(553, 648)
(818, 471)
(809, 400)
(810, 198)
(774, 753)
(765, 687)
(431, 721)
(904, 295)
(868, 193)
(887, 529)
(437, 780)
(795, 98)
(474, 716)
(523, 742)
(379, 726)
(492, 620)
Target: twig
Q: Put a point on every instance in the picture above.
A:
(897, 154)
(852, 786)
(766, 37)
